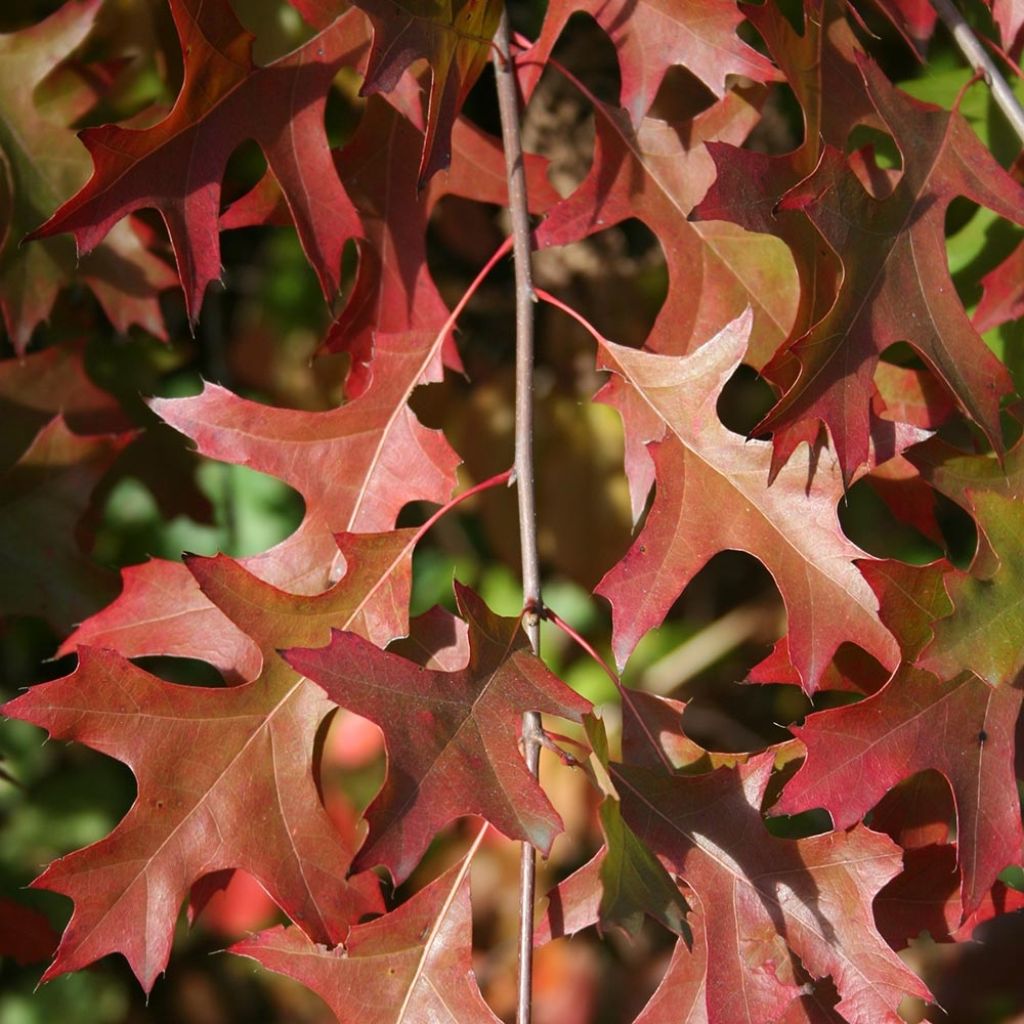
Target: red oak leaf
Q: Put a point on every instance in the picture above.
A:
(177, 165)
(355, 466)
(454, 37)
(657, 172)
(394, 291)
(982, 634)
(926, 897)
(414, 964)
(245, 796)
(681, 997)
(451, 736)
(652, 36)
(956, 725)
(163, 609)
(1002, 297)
(43, 498)
(749, 185)
(713, 495)
(896, 284)
(774, 900)
(225, 780)
(40, 162)
(962, 728)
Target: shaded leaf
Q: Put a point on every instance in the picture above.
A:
(896, 284)
(451, 737)
(414, 964)
(454, 37)
(44, 567)
(774, 899)
(41, 163)
(176, 166)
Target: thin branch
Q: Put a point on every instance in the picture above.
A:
(972, 49)
(508, 105)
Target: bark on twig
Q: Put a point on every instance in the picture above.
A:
(515, 172)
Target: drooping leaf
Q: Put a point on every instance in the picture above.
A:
(412, 965)
(652, 36)
(355, 466)
(451, 737)
(245, 796)
(454, 37)
(896, 284)
(774, 899)
(44, 568)
(41, 163)
(657, 172)
(176, 166)
(394, 290)
(713, 495)
(749, 184)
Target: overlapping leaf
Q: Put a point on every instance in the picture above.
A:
(176, 166)
(713, 495)
(454, 37)
(414, 964)
(225, 776)
(394, 291)
(955, 724)
(774, 899)
(42, 163)
(451, 737)
(355, 466)
(896, 284)
(657, 172)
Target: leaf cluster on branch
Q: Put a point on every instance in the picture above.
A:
(805, 208)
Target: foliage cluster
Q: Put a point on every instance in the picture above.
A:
(772, 439)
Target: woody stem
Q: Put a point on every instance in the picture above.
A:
(508, 104)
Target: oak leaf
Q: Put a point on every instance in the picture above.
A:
(414, 964)
(657, 172)
(225, 776)
(452, 738)
(774, 900)
(355, 466)
(896, 284)
(652, 36)
(713, 495)
(454, 37)
(177, 165)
